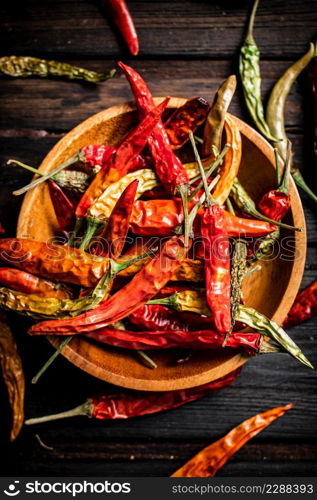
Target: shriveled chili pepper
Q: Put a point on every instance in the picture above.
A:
(168, 166)
(249, 68)
(146, 284)
(276, 203)
(12, 373)
(238, 271)
(215, 242)
(90, 155)
(121, 16)
(55, 261)
(194, 301)
(28, 283)
(131, 404)
(304, 307)
(216, 117)
(23, 66)
(64, 209)
(120, 164)
(251, 343)
(111, 241)
(161, 217)
(245, 203)
(209, 460)
(276, 108)
(185, 118)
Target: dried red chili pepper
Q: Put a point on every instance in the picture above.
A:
(215, 242)
(276, 203)
(168, 166)
(112, 239)
(185, 118)
(63, 207)
(209, 460)
(251, 343)
(121, 16)
(161, 217)
(304, 307)
(120, 164)
(161, 318)
(146, 284)
(28, 283)
(131, 404)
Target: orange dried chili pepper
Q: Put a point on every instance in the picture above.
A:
(208, 461)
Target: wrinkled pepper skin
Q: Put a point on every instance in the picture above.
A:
(304, 307)
(275, 204)
(145, 285)
(217, 266)
(64, 209)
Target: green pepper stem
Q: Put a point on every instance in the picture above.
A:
(183, 191)
(278, 167)
(92, 227)
(299, 180)
(85, 410)
(284, 186)
(51, 359)
(209, 200)
(73, 236)
(195, 209)
(209, 171)
(230, 206)
(249, 37)
(49, 175)
(119, 266)
(27, 167)
(147, 359)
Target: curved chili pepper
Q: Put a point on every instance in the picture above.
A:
(146, 284)
(122, 18)
(209, 460)
(304, 307)
(185, 118)
(251, 343)
(136, 403)
(168, 166)
(28, 283)
(63, 207)
(216, 117)
(161, 217)
(112, 239)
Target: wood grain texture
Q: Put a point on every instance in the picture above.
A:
(187, 48)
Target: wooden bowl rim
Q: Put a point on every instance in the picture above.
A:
(236, 360)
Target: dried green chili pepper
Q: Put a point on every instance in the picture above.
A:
(275, 112)
(249, 68)
(238, 270)
(245, 203)
(24, 66)
(216, 117)
(194, 301)
(12, 372)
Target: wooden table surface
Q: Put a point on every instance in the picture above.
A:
(187, 48)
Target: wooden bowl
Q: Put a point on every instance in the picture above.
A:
(271, 290)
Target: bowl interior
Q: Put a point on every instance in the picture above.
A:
(271, 290)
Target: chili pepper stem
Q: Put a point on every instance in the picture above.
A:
(48, 363)
(183, 191)
(170, 301)
(82, 410)
(230, 206)
(73, 236)
(201, 168)
(92, 227)
(249, 37)
(212, 168)
(278, 167)
(147, 359)
(73, 159)
(267, 347)
(284, 186)
(194, 210)
(26, 167)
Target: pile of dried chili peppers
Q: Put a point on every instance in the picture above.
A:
(147, 260)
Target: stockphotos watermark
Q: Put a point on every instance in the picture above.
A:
(72, 488)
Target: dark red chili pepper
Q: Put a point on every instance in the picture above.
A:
(136, 403)
(63, 207)
(276, 203)
(121, 16)
(251, 343)
(123, 160)
(111, 241)
(28, 283)
(188, 117)
(146, 284)
(304, 307)
(168, 166)
(161, 318)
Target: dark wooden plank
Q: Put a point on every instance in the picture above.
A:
(55, 105)
(133, 458)
(190, 28)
